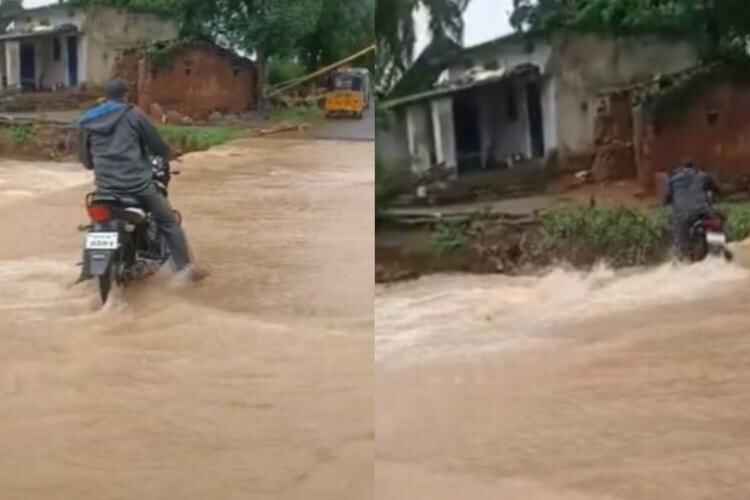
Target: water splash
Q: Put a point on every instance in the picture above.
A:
(453, 314)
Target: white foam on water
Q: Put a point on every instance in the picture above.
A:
(463, 313)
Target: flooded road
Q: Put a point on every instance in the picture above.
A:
(255, 384)
(570, 385)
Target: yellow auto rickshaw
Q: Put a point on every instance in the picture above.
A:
(349, 93)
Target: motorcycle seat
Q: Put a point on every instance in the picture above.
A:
(115, 199)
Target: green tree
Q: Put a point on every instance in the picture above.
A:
(396, 35)
(8, 9)
(718, 25)
(344, 28)
(266, 28)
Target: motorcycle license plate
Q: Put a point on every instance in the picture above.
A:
(102, 241)
(716, 238)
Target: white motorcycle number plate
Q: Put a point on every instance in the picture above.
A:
(716, 238)
(102, 241)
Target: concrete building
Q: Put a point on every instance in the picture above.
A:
(66, 46)
(520, 97)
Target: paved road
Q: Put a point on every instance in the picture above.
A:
(348, 129)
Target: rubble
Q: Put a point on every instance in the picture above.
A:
(284, 127)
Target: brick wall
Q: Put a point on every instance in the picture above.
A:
(714, 131)
(198, 81)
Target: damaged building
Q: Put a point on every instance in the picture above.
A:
(62, 45)
(699, 113)
(518, 98)
(193, 78)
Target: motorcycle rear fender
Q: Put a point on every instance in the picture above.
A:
(97, 262)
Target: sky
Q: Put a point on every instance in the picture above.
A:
(484, 20)
(37, 3)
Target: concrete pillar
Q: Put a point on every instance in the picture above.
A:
(13, 64)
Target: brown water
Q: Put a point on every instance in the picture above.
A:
(254, 384)
(602, 385)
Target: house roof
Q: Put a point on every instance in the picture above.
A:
(508, 39)
(441, 54)
(471, 79)
(45, 8)
(19, 35)
(424, 72)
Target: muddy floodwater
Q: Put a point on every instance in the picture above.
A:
(571, 386)
(255, 384)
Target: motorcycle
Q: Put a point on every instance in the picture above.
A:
(708, 238)
(123, 243)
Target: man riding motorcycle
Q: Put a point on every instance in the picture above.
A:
(689, 191)
(115, 140)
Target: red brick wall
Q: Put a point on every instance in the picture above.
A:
(721, 146)
(197, 82)
(126, 68)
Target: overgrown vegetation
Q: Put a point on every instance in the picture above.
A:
(188, 139)
(716, 26)
(21, 134)
(285, 69)
(449, 237)
(621, 236)
(739, 220)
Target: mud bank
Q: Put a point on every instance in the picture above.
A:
(514, 244)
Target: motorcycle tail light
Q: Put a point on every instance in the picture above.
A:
(100, 213)
(713, 224)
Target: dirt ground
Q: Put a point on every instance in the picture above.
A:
(256, 384)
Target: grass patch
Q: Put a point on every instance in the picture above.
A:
(299, 114)
(189, 139)
(449, 237)
(20, 134)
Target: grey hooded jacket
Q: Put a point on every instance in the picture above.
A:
(687, 190)
(115, 141)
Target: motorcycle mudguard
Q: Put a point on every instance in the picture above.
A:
(97, 262)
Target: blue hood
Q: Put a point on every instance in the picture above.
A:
(103, 110)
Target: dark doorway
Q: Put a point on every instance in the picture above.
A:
(468, 139)
(536, 120)
(28, 66)
(73, 60)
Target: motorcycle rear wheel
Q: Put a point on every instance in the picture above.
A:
(106, 282)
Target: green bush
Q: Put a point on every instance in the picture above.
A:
(738, 225)
(449, 237)
(622, 236)
(21, 134)
(283, 70)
